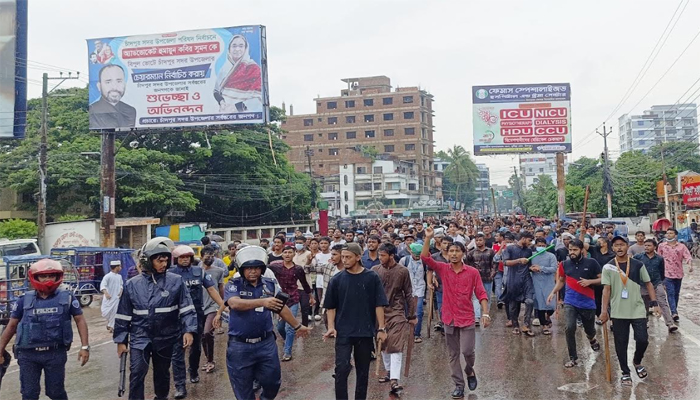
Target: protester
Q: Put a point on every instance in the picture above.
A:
(417, 271)
(638, 247)
(519, 287)
(675, 255)
(302, 257)
(111, 288)
(481, 258)
(318, 264)
(656, 269)
(542, 270)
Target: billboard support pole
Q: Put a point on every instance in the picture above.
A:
(108, 187)
(561, 186)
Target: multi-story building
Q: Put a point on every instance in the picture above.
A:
(660, 124)
(439, 168)
(483, 191)
(368, 118)
(535, 164)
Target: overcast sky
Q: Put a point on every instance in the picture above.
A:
(445, 47)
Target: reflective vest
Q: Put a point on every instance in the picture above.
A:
(45, 322)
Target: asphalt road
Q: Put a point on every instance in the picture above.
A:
(508, 367)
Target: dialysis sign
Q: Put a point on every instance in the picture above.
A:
(191, 78)
(522, 118)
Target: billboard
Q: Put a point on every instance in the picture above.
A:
(13, 68)
(190, 78)
(690, 187)
(512, 119)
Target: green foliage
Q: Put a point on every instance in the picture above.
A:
(634, 177)
(541, 198)
(460, 176)
(71, 217)
(679, 156)
(17, 229)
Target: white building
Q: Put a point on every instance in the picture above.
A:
(535, 164)
(483, 191)
(439, 168)
(660, 124)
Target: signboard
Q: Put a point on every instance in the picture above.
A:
(512, 119)
(190, 78)
(690, 186)
(13, 68)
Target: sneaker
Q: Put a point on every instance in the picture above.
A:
(317, 318)
(536, 322)
(500, 305)
(676, 318)
(672, 328)
(180, 394)
(458, 393)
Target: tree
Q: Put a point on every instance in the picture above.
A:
(460, 176)
(17, 229)
(585, 172)
(541, 198)
(634, 177)
(679, 156)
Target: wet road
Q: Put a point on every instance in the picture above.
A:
(508, 367)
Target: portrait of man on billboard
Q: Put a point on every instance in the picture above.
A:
(239, 83)
(109, 111)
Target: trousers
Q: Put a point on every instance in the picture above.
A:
(305, 306)
(32, 363)
(287, 331)
(662, 299)
(139, 362)
(248, 362)
(208, 337)
(361, 348)
(460, 341)
(515, 312)
(179, 371)
(673, 288)
(571, 314)
(621, 331)
(392, 363)
(419, 316)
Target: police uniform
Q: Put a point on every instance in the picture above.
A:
(44, 336)
(154, 312)
(195, 279)
(252, 351)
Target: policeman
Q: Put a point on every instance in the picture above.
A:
(252, 352)
(155, 310)
(42, 320)
(195, 278)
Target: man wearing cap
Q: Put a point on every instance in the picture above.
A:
(111, 287)
(417, 271)
(623, 277)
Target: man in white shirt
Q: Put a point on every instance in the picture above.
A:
(318, 264)
(111, 286)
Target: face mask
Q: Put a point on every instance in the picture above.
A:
(539, 248)
(299, 247)
(671, 240)
(209, 261)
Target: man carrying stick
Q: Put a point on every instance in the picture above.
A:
(460, 283)
(397, 286)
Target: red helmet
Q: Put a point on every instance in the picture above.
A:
(183, 250)
(46, 266)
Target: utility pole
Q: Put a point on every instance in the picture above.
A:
(517, 190)
(561, 187)
(108, 186)
(607, 184)
(667, 207)
(43, 151)
(310, 153)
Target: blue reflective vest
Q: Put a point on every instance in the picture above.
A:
(45, 322)
(194, 278)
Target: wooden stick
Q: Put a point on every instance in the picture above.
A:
(585, 210)
(378, 353)
(608, 371)
(430, 311)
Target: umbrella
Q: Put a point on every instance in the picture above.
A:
(215, 238)
(661, 224)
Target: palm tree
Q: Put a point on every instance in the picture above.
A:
(462, 172)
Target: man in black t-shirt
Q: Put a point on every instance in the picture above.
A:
(354, 302)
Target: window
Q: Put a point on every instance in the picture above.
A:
(333, 136)
(350, 135)
(320, 165)
(320, 135)
(308, 138)
(410, 147)
(349, 103)
(345, 195)
(409, 131)
(332, 120)
(368, 102)
(347, 210)
(393, 186)
(411, 186)
(345, 179)
(320, 150)
(377, 170)
(309, 122)
(387, 101)
(350, 119)
(407, 99)
(408, 115)
(642, 142)
(361, 170)
(332, 105)
(333, 152)
(363, 186)
(389, 117)
(389, 148)
(377, 186)
(369, 134)
(388, 132)
(541, 170)
(369, 118)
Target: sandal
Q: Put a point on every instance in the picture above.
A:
(571, 364)
(546, 332)
(528, 332)
(595, 345)
(395, 387)
(626, 380)
(210, 367)
(418, 339)
(509, 324)
(384, 379)
(287, 357)
(516, 331)
(641, 371)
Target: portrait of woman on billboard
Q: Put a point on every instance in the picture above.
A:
(239, 82)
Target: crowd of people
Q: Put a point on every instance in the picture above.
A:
(370, 286)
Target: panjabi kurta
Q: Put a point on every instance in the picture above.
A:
(399, 292)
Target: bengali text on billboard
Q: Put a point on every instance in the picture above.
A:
(690, 187)
(522, 118)
(190, 78)
(13, 67)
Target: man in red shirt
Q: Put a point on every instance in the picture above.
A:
(460, 282)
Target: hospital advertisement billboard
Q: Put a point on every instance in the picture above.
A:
(180, 79)
(13, 68)
(511, 119)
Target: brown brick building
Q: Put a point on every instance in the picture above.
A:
(368, 113)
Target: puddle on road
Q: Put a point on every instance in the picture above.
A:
(579, 387)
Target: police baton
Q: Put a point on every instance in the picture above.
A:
(122, 374)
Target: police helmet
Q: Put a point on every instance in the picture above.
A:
(183, 250)
(251, 257)
(157, 245)
(45, 266)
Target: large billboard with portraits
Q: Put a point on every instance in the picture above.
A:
(13, 68)
(179, 79)
(511, 119)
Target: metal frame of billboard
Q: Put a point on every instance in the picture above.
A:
(265, 96)
(19, 112)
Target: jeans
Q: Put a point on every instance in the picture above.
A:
(571, 314)
(53, 363)
(498, 282)
(248, 362)
(438, 301)
(621, 333)
(419, 315)
(477, 305)
(361, 348)
(178, 359)
(287, 331)
(673, 289)
(140, 359)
